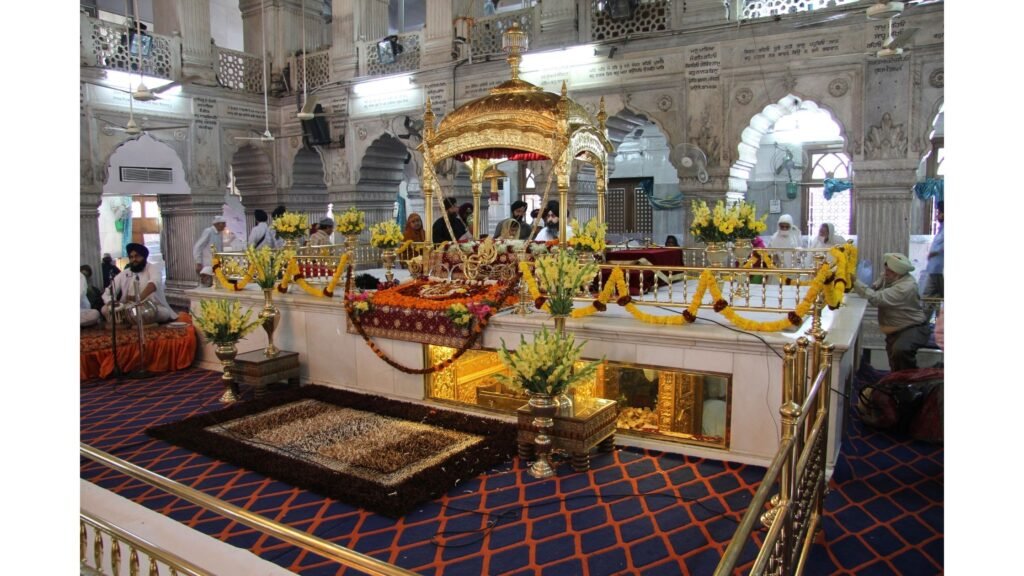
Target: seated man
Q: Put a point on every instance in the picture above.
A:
(900, 316)
(88, 316)
(139, 278)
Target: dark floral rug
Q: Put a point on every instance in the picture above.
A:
(369, 451)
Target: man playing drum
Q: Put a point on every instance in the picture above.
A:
(143, 279)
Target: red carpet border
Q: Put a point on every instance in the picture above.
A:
(884, 510)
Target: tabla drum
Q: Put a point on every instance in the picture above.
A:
(130, 313)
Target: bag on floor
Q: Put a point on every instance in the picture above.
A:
(908, 401)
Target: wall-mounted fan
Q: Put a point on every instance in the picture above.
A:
(694, 163)
(413, 129)
(267, 136)
(786, 161)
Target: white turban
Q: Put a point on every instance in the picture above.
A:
(786, 219)
(898, 263)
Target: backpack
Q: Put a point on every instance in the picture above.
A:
(906, 402)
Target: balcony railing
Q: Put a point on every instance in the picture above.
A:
(753, 9)
(239, 70)
(485, 37)
(106, 45)
(315, 69)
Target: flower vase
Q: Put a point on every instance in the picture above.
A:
(560, 323)
(586, 257)
(270, 316)
(226, 353)
(350, 243)
(741, 250)
(717, 254)
(543, 407)
(291, 244)
(388, 256)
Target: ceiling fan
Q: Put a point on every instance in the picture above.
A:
(132, 128)
(267, 136)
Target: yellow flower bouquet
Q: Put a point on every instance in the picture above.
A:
(221, 321)
(545, 365)
(588, 238)
(351, 222)
(750, 226)
(561, 275)
(266, 264)
(718, 225)
(386, 235)
(291, 225)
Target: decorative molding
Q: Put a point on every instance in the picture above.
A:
(886, 140)
(361, 133)
(665, 103)
(838, 87)
(744, 96)
(937, 78)
(706, 139)
(789, 81)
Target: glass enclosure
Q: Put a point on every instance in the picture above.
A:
(669, 404)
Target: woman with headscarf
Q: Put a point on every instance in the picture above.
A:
(827, 237)
(413, 231)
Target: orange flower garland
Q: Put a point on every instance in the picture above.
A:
(392, 297)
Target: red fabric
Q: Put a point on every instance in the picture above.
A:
(493, 153)
(656, 256)
(167, 349)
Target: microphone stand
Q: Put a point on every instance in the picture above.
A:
(118, 373)
(141, 372)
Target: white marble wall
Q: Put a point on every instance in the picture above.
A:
(329, 355)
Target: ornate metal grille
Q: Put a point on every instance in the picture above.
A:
(319, 70)
(486, 35)
(407, 61)
(764, 8)
(643, 215)
(839, 210)
(616, 218)
(110, 50)
(240, 71)
(648, 16)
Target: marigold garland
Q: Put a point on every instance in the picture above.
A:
(240, 284)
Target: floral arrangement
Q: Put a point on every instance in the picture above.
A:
(386, 235)
(750, 226)
(221, 321)
(588, 238)
(360, 301)
(718, 225)
(561, 276)
(461, 314)
(352, 222)
(291, 225)
(545, 365)
(266, 264)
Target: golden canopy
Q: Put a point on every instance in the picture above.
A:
(516, 121)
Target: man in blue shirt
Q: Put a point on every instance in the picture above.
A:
(933, 287)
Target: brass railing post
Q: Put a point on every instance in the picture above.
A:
(213, 255)
(788, 482)
(788, 361)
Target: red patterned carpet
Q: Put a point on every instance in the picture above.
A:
(636, 512)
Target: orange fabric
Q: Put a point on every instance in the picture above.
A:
(167, 349)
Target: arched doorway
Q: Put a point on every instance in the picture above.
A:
(139, 171)
(786, 153)
(381, 174)
(252, 176)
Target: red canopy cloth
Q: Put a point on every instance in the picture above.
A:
(168, 348)
(656, 256)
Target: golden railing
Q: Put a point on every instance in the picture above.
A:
(798, 468)
(95, 557)
(323, 548)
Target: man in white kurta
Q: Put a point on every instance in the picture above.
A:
(787, 236)
(142, 278)
(201, 250)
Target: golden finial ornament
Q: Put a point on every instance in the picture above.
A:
(514, 42)
(602, 116)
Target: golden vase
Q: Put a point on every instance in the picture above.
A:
(388, 256)
(741, 249)
(270, 316)
(717, 254)
(226, 353)
(543, 407)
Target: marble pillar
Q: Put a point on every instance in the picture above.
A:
(438, 33)
(883, 193)
(689, 14)
(557, 24)
(191, 20)
(183, 220)
(89, 231)
(344, 62)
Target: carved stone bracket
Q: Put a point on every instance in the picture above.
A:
(886, 140)
(744, 96)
